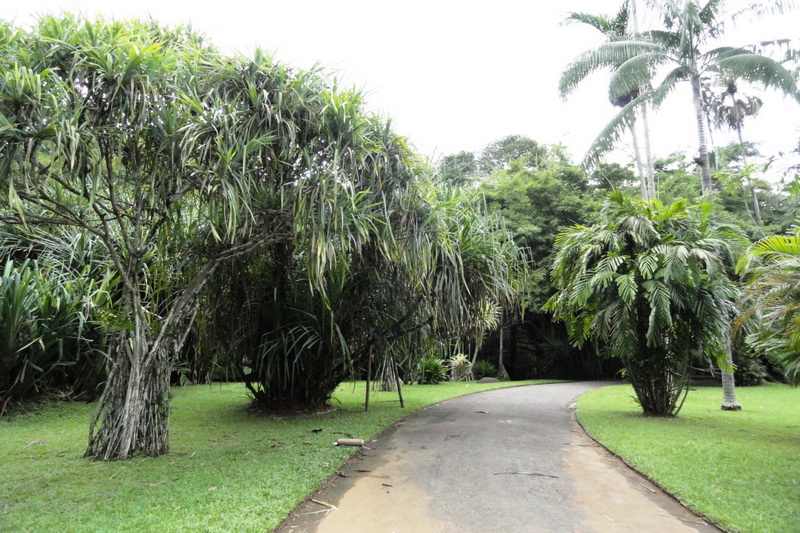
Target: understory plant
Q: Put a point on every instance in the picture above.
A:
(649, 283)
(460, 368)
(49, 341)
(484, 369)
(432, 371)
(771, 270)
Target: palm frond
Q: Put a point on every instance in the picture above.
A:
(759, 69)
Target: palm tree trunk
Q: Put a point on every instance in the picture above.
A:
(650, 180)
(705, 171)
(651, 186)
(637, 154)
(729, 402)
(756, 207)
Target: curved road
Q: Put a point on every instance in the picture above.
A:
(507, 460)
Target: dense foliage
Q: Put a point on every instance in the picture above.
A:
(248, 213)
(650, 281)
(771, 270)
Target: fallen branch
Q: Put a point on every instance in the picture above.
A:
(687, 520)
(330, 506)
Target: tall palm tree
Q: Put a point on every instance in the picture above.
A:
(682, 45)
(730, 110)
(620, 27)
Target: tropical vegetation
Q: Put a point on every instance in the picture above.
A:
(172, 215)
(229, 198)
(649, 281)
(770, 269)
(686, 45)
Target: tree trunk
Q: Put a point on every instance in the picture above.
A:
(513, 350)
(369, 378)
(135, 403)
(729, 402)
(501, 370)
(756, 207)
(637, 155)
(651, 185)
(399, 384)
(133, 410)
(478, 344)
(703, 162)
(649, 177)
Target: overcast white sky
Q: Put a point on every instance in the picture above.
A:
(452, 75)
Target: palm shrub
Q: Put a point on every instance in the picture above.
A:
(650, 283)
(72, 272)
(771, 299)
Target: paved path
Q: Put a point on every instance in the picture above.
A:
(508, 460)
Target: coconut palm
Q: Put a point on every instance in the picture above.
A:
(650, 283)
(683, 46)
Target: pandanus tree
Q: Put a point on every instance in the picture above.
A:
(683, 51)
(382, 260)
(178, 160)
(650, 283)
(88, 139)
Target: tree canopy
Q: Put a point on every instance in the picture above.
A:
(190, 167)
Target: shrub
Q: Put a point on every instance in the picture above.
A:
(48, 341)
(460, 368)
(432, 371)
(650, 283)
(750, 370)
(484, 369)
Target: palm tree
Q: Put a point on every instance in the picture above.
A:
(733, 115)
(650, 282)
(689, 28)
(771, 270)
(617, 28)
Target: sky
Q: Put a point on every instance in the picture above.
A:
(451, 75)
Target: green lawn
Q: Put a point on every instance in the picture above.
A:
(740, 469)
(228, 469)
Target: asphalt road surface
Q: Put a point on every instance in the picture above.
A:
(507, 460)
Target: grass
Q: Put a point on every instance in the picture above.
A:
(739, 469)
(227, 470)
